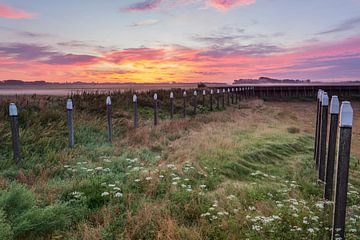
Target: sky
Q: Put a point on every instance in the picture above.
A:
(179, 40)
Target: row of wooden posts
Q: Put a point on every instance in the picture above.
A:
(234, 95)
(332, 155)
(326, 135)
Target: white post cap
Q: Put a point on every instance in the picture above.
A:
(319, 93)
(324, 99)
(195, 93)
(134, 98)
(13, 110)
(346, 114)
(334, 105)
(155, 96)
(171, 95)
(204, 92)
(223, 90)
(218, 91)
(232, 89)
(184, 93)
(69, 104)
(211, 91)
(228, 89)
(108, 101)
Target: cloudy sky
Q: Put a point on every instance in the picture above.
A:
(179, 40)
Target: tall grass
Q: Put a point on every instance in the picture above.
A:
(236, 174)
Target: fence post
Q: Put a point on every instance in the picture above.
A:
(232, 95)
(195, 101)
(236, 95)
(317, 124)
(218, 99)
(135, 104)
(155, 110)
(171, 105)
(184, 104)
(329, 174)
(317, 149)
(342, 173)
(323, 136)
(203, 98)
(211, 99)
(14, 123)
(223, 98)
(109, 120)
(70, 122)
(228, 96)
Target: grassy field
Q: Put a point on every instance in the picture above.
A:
(242, 173)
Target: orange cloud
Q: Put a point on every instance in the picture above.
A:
(12, 13)
(328, 61)
(227, 4)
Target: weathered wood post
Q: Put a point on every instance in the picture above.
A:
(14, 123)
(171, 105)
(329, 175)
(155, 109)
(218, 99)
(135, 107)
(236, 95)
(317, 124)
(70, 122)
(232, 95)
(184, 104)
(323, 136)
(109, 119)
(211, 99)
(195, 101)
(203, 97)
(342, 173)
(223, 98)
(228, 96)
(317, 139)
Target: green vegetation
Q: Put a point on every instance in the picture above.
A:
(243, 173)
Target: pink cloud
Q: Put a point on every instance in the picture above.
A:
(227, 4)
(12, 13)
(143, 6)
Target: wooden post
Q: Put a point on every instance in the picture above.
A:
(171, 105)
(236, 95)
(211, 99)
(203, 98)
(323, 136)
(218, 99)
(318, 131)
(135, 104)
(228, 96)
(223, 98)
(232, 95)
(342, 173)
(329, 175)
(109, 119)
(317, 124)
(14, 123)
(155, 110)
(195, 101)
(184, 104)
(70, 122)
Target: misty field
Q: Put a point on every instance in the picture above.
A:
(246, 172)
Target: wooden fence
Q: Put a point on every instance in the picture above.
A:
(332, 135)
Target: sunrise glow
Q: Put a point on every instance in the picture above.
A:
(179, 41)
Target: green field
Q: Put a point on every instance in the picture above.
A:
(246, 172)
